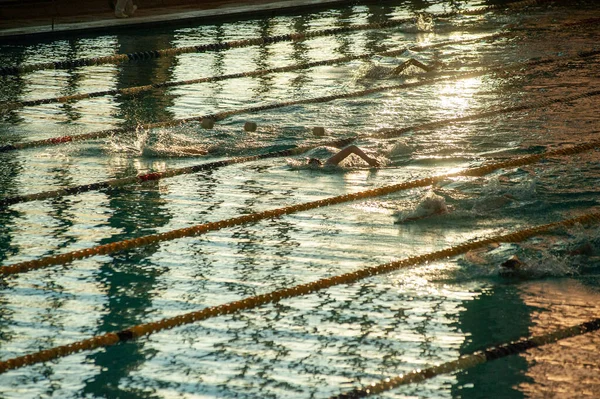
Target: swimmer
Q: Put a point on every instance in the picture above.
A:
(411, 62)
(511, 266)
(343, 154)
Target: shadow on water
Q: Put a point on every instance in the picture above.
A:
(261, 59)
(497, 313)
(300, 53)
(9, 174)
(154, 106)
(73, 82)
(130, 278)
(128, 281)
(377, 13)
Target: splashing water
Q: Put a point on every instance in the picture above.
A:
(495, 195)
(160, 143)
(431, 204)
(424, 22)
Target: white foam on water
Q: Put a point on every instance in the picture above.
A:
(430, 204)
(155, 143)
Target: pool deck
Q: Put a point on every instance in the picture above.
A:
(51, 25)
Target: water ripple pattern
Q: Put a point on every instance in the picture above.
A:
(346, 336)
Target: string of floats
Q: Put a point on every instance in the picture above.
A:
(7, 106)
(471, 360)
(259, 300)
(393, 133)
(107, 249)
(463, 362)
(293, 37)
(136, 90)
(253, 302)
(526, 65)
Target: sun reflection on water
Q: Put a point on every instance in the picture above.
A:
(456, 98)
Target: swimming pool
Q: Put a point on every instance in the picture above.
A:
(349, 335)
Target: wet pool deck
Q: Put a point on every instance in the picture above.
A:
(52, 26)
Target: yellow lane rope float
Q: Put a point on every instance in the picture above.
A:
(6, 106)
(222, 115)
(154, 176)
(390, 133)
(107, 249)
(293, 37)
(471, 360)
(276, 296)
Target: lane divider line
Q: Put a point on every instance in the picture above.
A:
(253, 302)
(201, 48)
(196, 230)
(471, 360)
(223, 115)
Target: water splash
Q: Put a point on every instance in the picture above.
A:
(424, 22)
(321, 154)
(429, 205)
(155, 143)
(495, 194)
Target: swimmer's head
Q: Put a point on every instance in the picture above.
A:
(315, 162)
(511, 266)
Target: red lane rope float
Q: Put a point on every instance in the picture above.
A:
(222, 115)
(473, 359)
(213, 165)
(107, 249)
(6, 106)
(293, 37)
(162, 175)
(278, 295)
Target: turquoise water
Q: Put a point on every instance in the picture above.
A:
(347, 336)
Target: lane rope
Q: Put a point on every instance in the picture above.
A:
(9, 106)
(196, 230)
(253, 302)
(290, 37)
(136, 90)
(393, 133)
(473, 359)
(154, 176)
(526, 65)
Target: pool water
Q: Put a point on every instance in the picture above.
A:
(347, 336)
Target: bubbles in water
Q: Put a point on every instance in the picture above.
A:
(372, 71)
(566, 254)
(410, 66)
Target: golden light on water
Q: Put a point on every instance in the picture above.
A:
(456, 98)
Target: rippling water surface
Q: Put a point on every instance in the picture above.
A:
(347, 336)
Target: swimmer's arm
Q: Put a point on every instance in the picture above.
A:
(399, 69)
(340, 156)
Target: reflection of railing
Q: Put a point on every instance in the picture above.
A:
(255, 217)
(141, 330)
(293, 37)
(251, 74)
(225, 114)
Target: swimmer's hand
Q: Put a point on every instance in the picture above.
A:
(374, 163)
